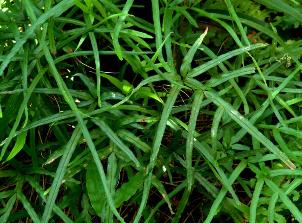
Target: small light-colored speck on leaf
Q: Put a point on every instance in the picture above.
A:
(50, 161)
(234, 112)
(212, 133)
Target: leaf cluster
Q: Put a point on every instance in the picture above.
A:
(150, 111)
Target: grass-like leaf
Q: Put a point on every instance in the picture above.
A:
(236, 116)
(190, 139)
(286, 201)
(53, 12)
(68, 151)
(212, 63)
(111, 109)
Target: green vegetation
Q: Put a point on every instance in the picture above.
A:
(150, 111)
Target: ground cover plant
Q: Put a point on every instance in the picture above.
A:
(150, 111)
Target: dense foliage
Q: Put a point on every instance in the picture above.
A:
(150, 111)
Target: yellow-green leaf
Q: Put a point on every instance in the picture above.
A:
(18, 146)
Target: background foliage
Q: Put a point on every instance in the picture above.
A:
(150, 111)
